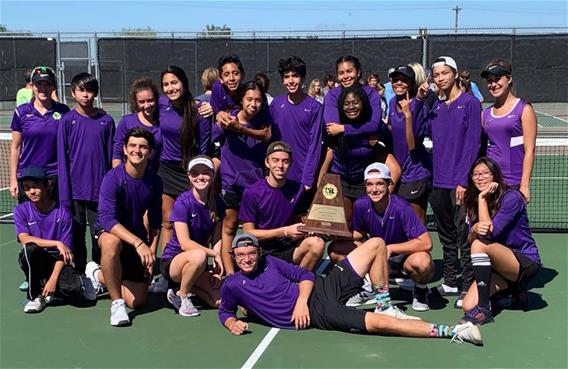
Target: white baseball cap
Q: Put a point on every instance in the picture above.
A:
(378, 171)
(201, 160)
(445, 60)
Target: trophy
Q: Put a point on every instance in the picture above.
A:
(326, 216)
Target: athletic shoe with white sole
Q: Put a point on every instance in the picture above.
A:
(459, 302)
(35, 306)
(187, 308)
(420, 299)
(467, 332)
(395, 312)
(361, 298)
(92, 269)
(173, 298)
(445, 290)
(158, 286)
(118, 314)
(87, 289)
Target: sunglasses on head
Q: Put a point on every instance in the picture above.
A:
(42, 70)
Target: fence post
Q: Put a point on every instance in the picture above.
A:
(424, 37)
(59, 67)
(95, 61)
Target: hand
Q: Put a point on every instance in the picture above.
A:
(483, 228)
(147, 257)
(49, 288)
(404, 105)
(65, 252)
(334, 129)
(460, 191)
(14, 189)
(239, 327)
(423, 90)
(301, 315)
(389, 252)
(489, 190)
(293, 232)
(223, 118)
(524, 190)
(217, 273)
(234, 125)
(205, 110)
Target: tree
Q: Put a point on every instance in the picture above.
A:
(3, 28)
(147, 32)
(213, 31)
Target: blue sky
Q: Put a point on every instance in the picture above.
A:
(164, 15)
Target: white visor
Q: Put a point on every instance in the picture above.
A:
(205, 161)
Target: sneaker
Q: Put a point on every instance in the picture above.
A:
(445, 290)
(420, 299)
(24, 286)
(158, 286)
(467, 332)
(478, 316)
(92, 269)
(459, 302)
(187, 308)
(173, 298)
(361, 298)
(395, 312)
(118, 315)
(53, 300)
(87, 289)
(35, 306)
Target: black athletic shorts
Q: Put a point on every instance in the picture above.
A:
(132, 268)
(282, 248)
(396, 264)
(327, 303)
(528, 269)
(416, 192)
(232, 200)
(352, 190)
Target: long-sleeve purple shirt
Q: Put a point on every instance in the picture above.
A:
(456, 138)
(300, 126)
(269, 294)
(220, 98)
(372, 127)
(84, 155)
(128, 122)
(39, 136)
(124, 200)
(53, 225)
(170, 127)
(416, 164)
(351, 155)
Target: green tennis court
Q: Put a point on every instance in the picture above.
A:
(81, 337)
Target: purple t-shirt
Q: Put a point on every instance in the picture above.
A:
(242, 157)
(373, 126)
(128, 122)
(300, 126)
(351, 155)
(398, 224)
(415, 164)
(124, 200)
(511, 226)
(39, 136)
(506, 147)
(456, 138)
(196, 215)
(269, 294)
(268, 207)
(84, 155)
(170, 127)
(53, 225)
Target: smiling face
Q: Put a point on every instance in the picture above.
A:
(293, 82)
(252, 102)
(352, 106)
(200, 177)
(278, 164)
(172, 87)
(247, 258)
(498, 86)
(481, 177)
(376, 188)
(137, 150)
(400, 85)
(43, 90)
(347, 74)
(444, 77)
(231, 76)
(146, 103)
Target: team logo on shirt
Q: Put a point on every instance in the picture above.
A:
(29, 115)
(329, 191)
(73, 122)
(461, 106)
(56, 115)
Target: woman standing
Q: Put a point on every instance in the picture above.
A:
(510, 125)
(34, 133)
(315, 90)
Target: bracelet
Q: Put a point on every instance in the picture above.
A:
(139, 244)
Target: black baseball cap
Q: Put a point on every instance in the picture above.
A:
(43, 74)
(279, 146)
(34, 173)
(496, 69)
(406, 71)
(244, 240)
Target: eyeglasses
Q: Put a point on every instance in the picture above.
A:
(484, 174)
(245, 255)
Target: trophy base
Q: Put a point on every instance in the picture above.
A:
(328, 233)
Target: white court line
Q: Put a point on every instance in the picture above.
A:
(5, 136)
(257, 353)
(4, 189)
(549, 115)
(7, 243)
(6, 215)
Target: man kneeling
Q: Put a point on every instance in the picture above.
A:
(287, 296)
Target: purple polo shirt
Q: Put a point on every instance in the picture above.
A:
(300, 126)
(196, 215)
(39, 136)
(53, 225)
(128, 122)
(84, 155)
(373, 126)
(220, 99)
(398, 224)
(511, 226)
(170, 127)
(268, 207)
(242, 157)
(505, 135)
(269, 294)
(124, 200)
(456, 138)
(415, 164)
